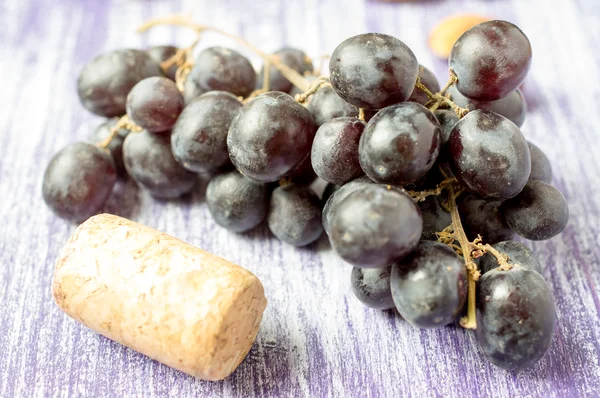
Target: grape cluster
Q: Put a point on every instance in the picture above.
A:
(426, 187)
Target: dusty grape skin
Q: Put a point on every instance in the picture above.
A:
(161, 54)
(373, 70)
(149, 161)
(220, 68)
(541, 169)
(325, 105)
(374, 226)
(295, 215)
(78, 180)
(116, 144)
(199, 138)
(340, 194)
(513, 106)
(539, 212)
(191, 91)
(435, 217)
(517, 252)
(515, 317)
(429, 286)
(447, 119)
(237, 203)
(334, 151)
(489, 155)
(400, 144)
(430, 81)
(154, 104)
(270, 136)
(292, 57)
(105, 81)
(372, 287)
(490, 60)
(483, 217)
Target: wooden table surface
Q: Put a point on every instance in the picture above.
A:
(316, 338)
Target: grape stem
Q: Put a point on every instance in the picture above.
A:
(438, 99)
(500, 257)
(361, 114)
(179, 20)
(123, 123)
(419, 196)
(321, 82)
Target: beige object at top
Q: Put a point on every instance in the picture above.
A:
(444, 34)
(171, 301)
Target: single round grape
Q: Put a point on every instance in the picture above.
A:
(541, 169)
(270, 136)
(334, 151)
(236, 202)
(539, 212)
(149, 161)
(340, 194)
(375, 226)
(429, 286)
(116, 144)
(372, 287)
(191, 91)
(295, 215)
(513, 106)
(490, 60)
(325, 105)
(435, 217)
(515, 317)
(161, 54)
(78, 180)
(304, 174)
(292, 57)
(199, 138)
(517, 252)
(489, 155)
(447, 119)
(430, 81)
(400, 144)
(220, 68)
(154, 104)
(482, 217)
(105, 81)
(373, 70)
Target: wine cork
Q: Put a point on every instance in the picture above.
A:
(151, 292)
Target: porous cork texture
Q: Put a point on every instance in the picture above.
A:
(158, 295)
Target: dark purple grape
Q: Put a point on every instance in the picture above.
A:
(236, 202)
(490, 60)
(270, 136)
(400, 144)
(482, 217)
(295, 215)
(154, 104)
(429, 286)
(340, 194)
(78, 180)
(334, 152)
(292, 57)
(539, 212)
(430, 81)
(149, 161)
(375, 226)
(161, 54)
(220, 68)
(105, 81)
(373, 70)
(541, 169)
(372, 287)
(489, 155)
(199, 138)
(513, 106)
(447, 119)
(517, 252)
(435, 217)
(116, 144)
(303, 174)
(325, 105)
(191, 91)
(515, 317)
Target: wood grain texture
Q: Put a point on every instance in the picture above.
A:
(316, 338)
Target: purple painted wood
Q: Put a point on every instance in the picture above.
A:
(316, 338)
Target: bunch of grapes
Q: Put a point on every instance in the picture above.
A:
(427, 186)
